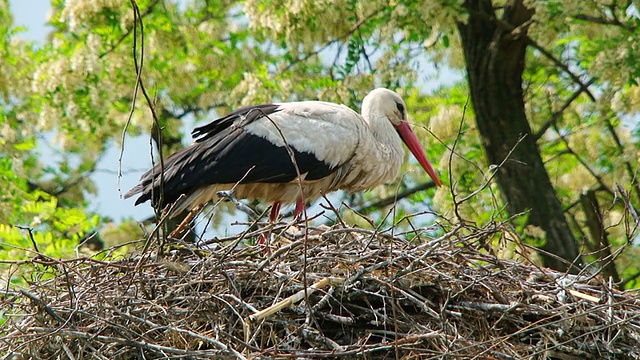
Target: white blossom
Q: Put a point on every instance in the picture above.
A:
(444, 125)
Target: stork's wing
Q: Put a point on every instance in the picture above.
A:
(252, 146)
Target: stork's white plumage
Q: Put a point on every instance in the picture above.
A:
(334, 148)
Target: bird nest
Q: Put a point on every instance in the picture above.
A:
(318, 292)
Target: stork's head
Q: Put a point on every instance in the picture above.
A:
(386, 103)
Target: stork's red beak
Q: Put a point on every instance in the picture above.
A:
(410, 138)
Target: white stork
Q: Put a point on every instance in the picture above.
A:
(250, 150)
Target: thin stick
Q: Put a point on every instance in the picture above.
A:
(289, 301)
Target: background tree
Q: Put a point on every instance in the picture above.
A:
(552, 86)
(518, 55)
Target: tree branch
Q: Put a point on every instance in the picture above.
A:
(126, 34)
(556, 115)
(390, 200)
(66, 185)
(584, 87)
(331, 42)
(629, 279)
(605, 21)
(192, 109)
(630, 172)
(520, 32)
(598, 178)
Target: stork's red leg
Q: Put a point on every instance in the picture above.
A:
(273, 216)
(299, 208)
(275, 211)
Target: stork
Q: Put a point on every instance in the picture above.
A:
(253, 150)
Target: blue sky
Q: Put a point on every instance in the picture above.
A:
(31, 14)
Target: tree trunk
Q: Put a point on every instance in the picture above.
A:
(495, 59)
(600, 246)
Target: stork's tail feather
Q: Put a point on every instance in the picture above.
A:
(135, 190)
(150, 188)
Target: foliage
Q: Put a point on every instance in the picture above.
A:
(34, 222)
(71, 96)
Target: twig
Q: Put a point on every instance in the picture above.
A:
(30, 232)
(288, 301)
(494, 171)
(46, 307)
(281, 305)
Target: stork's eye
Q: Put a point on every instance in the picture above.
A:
(400, 108)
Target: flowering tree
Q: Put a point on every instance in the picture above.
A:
(549, 137)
